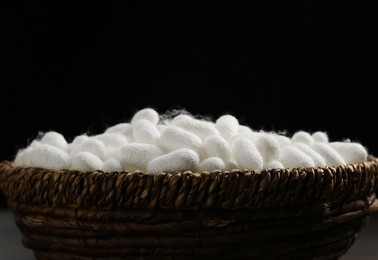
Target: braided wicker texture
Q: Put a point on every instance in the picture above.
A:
(310, 213)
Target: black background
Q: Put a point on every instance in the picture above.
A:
(286, 65)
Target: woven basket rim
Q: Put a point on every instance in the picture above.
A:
(235, 189)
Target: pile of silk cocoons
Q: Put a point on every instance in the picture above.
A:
(154, 143)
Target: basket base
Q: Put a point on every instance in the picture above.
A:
(315, 231)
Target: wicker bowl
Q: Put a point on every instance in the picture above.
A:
(309, 213)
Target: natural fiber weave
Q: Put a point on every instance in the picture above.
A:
(310, 213)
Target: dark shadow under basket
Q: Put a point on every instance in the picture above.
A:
(309, 213)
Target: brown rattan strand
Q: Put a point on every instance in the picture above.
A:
(228, 190)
